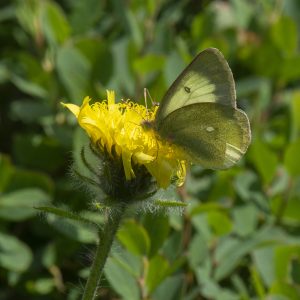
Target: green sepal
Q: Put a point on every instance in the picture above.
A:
(85, 178)
(66, 214)
(170, 203)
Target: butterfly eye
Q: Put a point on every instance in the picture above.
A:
(187, 89)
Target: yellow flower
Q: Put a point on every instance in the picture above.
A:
(118, 128)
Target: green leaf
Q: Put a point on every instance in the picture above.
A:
(14, 254)
(290, 70)
(54, 23)
(148, 63)
(99, 55)
(196, 184)
(174, 65)
(41, 286)
(257, 283)
(259, 88)
(158, 270)
(135, 30)
(170, 288)
(198, 250)
(291, 210)
(29, 111)
(123, 77)
(7, 13)
(4, 73)
(231, 250)
(209, 287)
(72, 229)
(291, 162)
(243, 12)
(6, 172)
(295, 269)
(220, 222)
(295, 113)
(280, 288)
(177, 264)
(222, 187)
(21, 179)
(19, 205)
(226, 18)
(27, 13)
(41, 152)
(284, 255)
(287, 43)
(173, 246)
(128, 261)
(240, 286)
(28, 87)
(121, 281)
(200, 223)
(245, 219)
(157, 227)
(207, 207)
(264, 262)
(134, 237)
(49, 255)
(280, 184)
(176, 221)
(244, 183)
(264, 160)
(74, 72)
(90, 11)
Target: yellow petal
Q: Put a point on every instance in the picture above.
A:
(126, 158)
(110, 97)
(143, 158)
(162, 171)
(72, 107)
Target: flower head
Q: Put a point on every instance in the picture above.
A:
(117, 129)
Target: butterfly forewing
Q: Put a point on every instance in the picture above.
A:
(214, 135)
(207, 78)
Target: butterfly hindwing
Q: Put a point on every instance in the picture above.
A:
(207, 78)
(214, 135)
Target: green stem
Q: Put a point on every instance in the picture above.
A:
(106, 235)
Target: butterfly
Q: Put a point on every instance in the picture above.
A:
(199, 114)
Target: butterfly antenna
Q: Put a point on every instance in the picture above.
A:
(152, 102)
(145, 98)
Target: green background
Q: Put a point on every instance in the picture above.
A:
(239, 236)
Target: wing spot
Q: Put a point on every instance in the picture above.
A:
(210, 129)
(187, 89)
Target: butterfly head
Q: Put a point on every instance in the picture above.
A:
(148, 125)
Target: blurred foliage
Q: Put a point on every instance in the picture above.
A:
(238, 237)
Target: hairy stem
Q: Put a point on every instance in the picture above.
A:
(106, 236)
